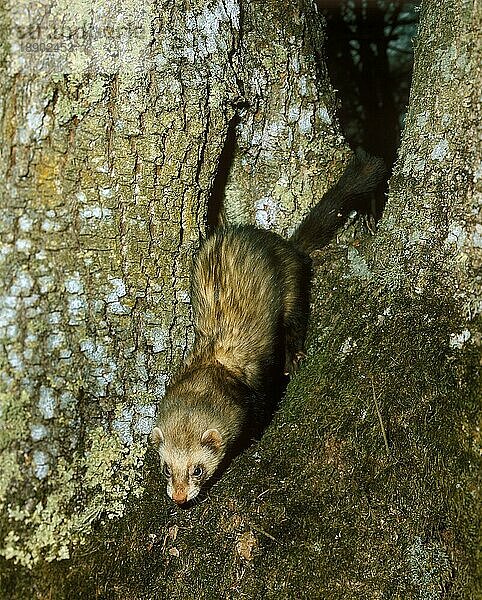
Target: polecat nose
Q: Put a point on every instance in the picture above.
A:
(179, 497)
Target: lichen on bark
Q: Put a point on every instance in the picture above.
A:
(106, 169)
(288, 146)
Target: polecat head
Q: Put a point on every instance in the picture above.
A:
(190, 453)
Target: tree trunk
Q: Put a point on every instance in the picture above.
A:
(364, 485)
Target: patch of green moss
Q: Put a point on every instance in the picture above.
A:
(14, 416)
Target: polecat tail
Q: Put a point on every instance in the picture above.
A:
(361, 177)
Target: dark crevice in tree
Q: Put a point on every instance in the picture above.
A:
(370, 59)
(216, 199)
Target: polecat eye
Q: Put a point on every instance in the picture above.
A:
(166, 470)
(197, 471)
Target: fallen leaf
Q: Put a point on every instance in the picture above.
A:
(246, 544)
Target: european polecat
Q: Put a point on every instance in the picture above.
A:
(250, 299)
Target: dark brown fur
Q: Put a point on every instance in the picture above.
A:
(250, 299)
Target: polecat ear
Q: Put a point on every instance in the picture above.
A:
(157, 437)
(212, 438)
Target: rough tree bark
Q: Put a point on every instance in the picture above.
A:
(364, 485)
